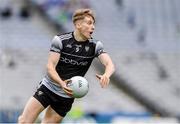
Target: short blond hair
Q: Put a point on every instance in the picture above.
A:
(81, 14)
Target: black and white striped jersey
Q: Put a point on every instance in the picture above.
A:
(75, 58)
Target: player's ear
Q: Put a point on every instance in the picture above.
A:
(78, 24)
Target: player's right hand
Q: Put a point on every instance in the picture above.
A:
(66, 89)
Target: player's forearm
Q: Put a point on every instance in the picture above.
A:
(54, 75)
(109, 69)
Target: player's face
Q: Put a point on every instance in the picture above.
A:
(87, 27)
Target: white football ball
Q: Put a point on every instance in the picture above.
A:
(79, 86)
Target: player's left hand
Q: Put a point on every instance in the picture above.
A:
(104, 80)
(66, 89)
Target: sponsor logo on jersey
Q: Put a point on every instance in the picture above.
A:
(87, 48)
(73, 62)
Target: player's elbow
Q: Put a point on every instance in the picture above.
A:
(113, 68)
(21, 119)
(49, 68)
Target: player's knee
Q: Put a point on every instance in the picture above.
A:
(58, 119)
(54, 119)
(21, 119)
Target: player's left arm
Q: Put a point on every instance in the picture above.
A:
(109, 69)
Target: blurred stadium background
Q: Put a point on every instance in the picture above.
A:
(142, 37)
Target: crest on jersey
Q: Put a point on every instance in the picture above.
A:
(78, 47)
(87, 48)
(69, 46)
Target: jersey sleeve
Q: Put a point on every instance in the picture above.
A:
(99, 48)
(56, 45)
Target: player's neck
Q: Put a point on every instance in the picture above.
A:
(78, 36)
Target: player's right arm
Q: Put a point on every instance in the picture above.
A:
(53, 59)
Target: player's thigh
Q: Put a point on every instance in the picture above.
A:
(51, 116)
(31, 110)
